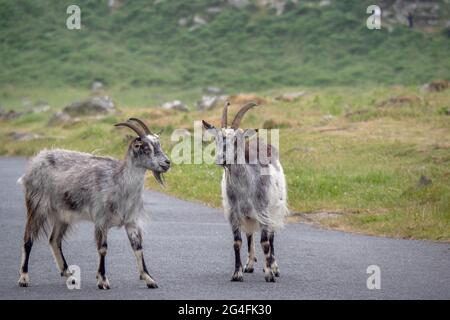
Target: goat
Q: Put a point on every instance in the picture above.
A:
(253, 191)
(63, 187)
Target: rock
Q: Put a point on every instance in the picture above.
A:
(291, 96)
(213, 91)
(40, 106)
(278, 5)
(9, 115)
(210, 102)
(115, 4)
(26, 104)
(424, 181)
(324, 3)
(437, 86)
(97, 86)
(183, 22)
(175, 105)
(23, 136)
(94, 105)
(59, 118)
(239, 4)
(214, 10)
(199, 20)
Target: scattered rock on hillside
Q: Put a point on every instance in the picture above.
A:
(210, 102)
(9, 115)
(324, 3)
(40, 106)
(175, 105)
(198, 22)
(23, 136)
(183, 22)
(424, 181)
(214, 10)
(94, 105)
(97, 86)
(291, 96)
(213, 90)
(437, 86)
(239, 4)
(59, 118)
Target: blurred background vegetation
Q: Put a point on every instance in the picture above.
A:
(144, 43)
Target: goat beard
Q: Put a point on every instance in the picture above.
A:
(159, 177)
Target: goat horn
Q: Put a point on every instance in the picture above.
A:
(224, 114)
(138, 131)
(237, 119)
(143, 125)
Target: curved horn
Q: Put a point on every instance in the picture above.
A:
(143, 125)
(138, 131)
(241, 113)
(224, 114)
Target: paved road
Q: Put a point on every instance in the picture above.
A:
(189, 251)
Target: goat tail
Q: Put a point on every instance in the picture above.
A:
(38, 221)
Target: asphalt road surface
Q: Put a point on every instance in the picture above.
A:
(189, 251)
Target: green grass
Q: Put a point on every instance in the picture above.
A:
(141, 45)
(367, 168)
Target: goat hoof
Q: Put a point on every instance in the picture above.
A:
(237, 277)
(152, 285)
(277, 274)
(248, 269)
(103, 286)
(102, 283)
(24, 281)
(270, 277)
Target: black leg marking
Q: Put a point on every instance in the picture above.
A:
(102, 247)
(135, 236)
(274, 264)
(265, 244)
(251, 254)
(27, 250)
(55, 241)
(237, 275)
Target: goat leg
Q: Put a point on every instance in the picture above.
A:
(135, 236)
(237, 275)
(102, 247)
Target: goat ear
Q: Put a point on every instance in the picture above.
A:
(136, 144)
(207, 126)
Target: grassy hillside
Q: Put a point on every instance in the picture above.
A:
(141, 44)
(344, 151)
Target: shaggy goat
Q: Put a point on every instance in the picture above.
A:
(63, 187)
(253, 191)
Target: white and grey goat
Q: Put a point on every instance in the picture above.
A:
(253, 190)
(63, 187)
